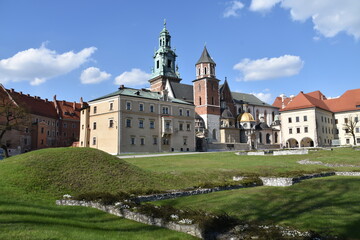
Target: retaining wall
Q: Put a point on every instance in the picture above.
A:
(192, 229)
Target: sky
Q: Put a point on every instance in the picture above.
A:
(87, 48)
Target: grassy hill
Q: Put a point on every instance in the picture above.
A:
(30, 183)
(77, 170)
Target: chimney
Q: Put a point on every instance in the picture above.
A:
(121, 87)
(46, 100)
(81, 102)
(21, 93)
(54, 98)
(74, 105)
(11, 90)
(283, 96)
(28, 95)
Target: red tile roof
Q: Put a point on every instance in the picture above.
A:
(346, 102)
(278, 102)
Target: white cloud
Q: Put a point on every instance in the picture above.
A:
(93, 75)
(263, 5)
(233, 8)
(329, 17)
(269, 68)
(135, 77)
(266, 97)
(37, 65)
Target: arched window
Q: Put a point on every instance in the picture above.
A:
(214, 134)
(268, 140)
(199, 72)
(273, 116)
(205, 70)
(260, 137)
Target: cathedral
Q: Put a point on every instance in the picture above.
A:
(223, 119)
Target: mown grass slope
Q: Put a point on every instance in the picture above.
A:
(30, 183)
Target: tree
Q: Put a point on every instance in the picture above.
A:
(350, 126)
(12, 117)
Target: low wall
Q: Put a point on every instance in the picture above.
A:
(284, 182)
(351, 174)
(291, 152)
(176, 194)
(191, 229)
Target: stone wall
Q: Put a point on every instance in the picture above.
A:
(291, 152)
(176, 194)
(191, 229)
(284, 182)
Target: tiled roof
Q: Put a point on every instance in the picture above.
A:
(69, 110)
(182, 91)
(140, 93)
(34, 105)
(346, 102)
(205, 57)
(278, 102)
(349, 101)
(249, 99)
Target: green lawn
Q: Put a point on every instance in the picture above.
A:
(27, 203)
(228, 164)
(329, 205)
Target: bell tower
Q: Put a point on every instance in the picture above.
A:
(206, 95)
(165, 67)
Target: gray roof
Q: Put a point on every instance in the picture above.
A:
(205, 57)
(140, 93)
(226, 114)
(249, 99)
(182, 91)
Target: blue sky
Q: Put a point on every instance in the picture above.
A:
(266, 47)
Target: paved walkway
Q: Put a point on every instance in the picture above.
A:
(161, 155)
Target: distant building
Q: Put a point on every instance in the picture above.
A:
(312, 120)
(52, 123)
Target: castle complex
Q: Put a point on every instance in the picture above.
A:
(172, 116)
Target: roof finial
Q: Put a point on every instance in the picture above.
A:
(204, 44)
(164, 22)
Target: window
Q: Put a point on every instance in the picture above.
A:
(358, 140)
(42, 141)
(94, 125)
(82, 126)
(289, 120)
(111, 106)
(323, 130)
(346, 130)
(188, 126)
(26, 130)
(290, 130)
(188, 113)
(155, 140)
(152, 124)
(306, 129)
(357, 130)
(322, 119)
(95, 109)
(345, 120)
(356, 119)
(111, 123)
(337, 131)
(165, 141)
(141, 123)
(180, 126)
(169, 63)
(142, 141)
(94, 141)
(167, 125)
(305, 118)
(297, 130)
(157, 64)
(205, 70)
(212, 101)
(48, 133)
(347, 141)
(336, 121)
(128, 105)
(73, 125)
(132, 140)
(297, 119)
(128, 123)
(141, 107)
(180, 112)
(42, 130)
(151, 108)
(165, 110)
(185, 141)
(199, 100)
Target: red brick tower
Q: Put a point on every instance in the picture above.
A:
(206, 94)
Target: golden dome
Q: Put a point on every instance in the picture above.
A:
(245, 117)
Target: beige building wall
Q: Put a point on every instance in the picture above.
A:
(137, 125)
(344, 137)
